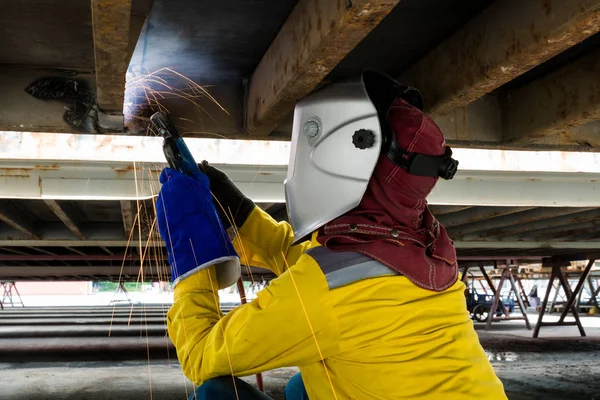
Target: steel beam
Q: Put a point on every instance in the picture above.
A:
(62, 215)
(42, 251)
(73, 250)
(573, 230)
(16, 220)
(13, 251)
(461, 245)
(317, 35)
(80, 270)
(500, 258)
(107, 250)
(122, 152)
(563, 99)
(445, 210)
(66, 242)
(504, 41)
(562, 220)
(116, 181)
(518, 222)
(474, 125)
(478, 214)
(527, 245)
(127, 215)
(111, 26)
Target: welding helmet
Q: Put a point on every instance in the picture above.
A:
(338, 135)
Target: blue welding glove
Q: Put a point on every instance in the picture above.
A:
(192, 230)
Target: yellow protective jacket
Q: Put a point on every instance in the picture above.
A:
(378, 338)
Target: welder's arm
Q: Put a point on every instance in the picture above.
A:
(263, 242)
(270, 332)
(260, 240)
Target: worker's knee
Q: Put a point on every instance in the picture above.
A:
(223, 388)
(295, 390)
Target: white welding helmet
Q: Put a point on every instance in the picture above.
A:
(337, 138)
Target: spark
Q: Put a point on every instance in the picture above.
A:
(151, 92)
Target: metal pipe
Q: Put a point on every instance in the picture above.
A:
(86, 349)
(81, 331)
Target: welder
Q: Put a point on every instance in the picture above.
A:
(367, 300)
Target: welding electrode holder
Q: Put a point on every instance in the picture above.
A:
(176, 152)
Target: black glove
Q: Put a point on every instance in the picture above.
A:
(227, 198)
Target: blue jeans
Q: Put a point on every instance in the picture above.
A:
(222, 388)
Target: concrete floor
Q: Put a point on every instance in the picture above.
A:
(564, 370)
(558, 365)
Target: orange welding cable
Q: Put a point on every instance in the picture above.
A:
(242, 292)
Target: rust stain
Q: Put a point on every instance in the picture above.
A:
(330, 32)
(52, 167)
(105, 142)
(17, 176)
(40, 185)
(11, 171)
(124, 170)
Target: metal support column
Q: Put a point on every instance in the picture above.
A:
(492, 287)
(594, 293)
(8, 295)
(556, 294)
(485, 291)
(465, 273)
(522, 291)
(121, 289)
(571, 297)
(507, 275)
(574, 295)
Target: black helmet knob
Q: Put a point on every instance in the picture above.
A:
(363, 139)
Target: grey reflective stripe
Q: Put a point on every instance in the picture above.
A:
(347, 267)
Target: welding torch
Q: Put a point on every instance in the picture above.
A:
(176, 152)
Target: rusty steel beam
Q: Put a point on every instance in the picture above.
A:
(507, 39)
(111, 21)
(62, 215)
(317, 35)
(478, 124)
(19, 222)
(549, 107)
(499, 226)
(478, 214)
(546, 220)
